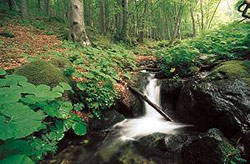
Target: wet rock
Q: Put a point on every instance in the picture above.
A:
(109, 118)
(221, 100)
(170, 91)
(209, 148)
(131, 109)
(246, 144)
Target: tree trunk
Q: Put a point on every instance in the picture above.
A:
(214, 14)
(11, 4)
(39, 5)
(177, 26)
(143, 21)
(103, 17)
(77, 26)
(124, 31)
(24, 9)
(202, 14)
(193, 21)
(46, 4)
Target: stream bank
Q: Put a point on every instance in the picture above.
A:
(213, 104)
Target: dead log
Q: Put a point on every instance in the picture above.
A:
(156, 107)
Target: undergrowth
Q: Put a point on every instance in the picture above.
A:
(33, 119)
(229, 42)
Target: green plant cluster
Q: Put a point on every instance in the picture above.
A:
(33, 119)
(229, 42)
(99, 70)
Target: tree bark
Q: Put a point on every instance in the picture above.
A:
(143, 21)
(177, 26)
(46, 4)
(202, 14)
(214, 14)
(24, 9)
(124, 31)
(77, 26)
(103, 17)
(11, 4)
(193, 21)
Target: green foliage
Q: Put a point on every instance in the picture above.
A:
(33, 119)
(42, 72)
(97, 71)
(229, 42)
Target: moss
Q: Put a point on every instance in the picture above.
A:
(234, 69)
(60, 62)
(228, 150)
(42, 72)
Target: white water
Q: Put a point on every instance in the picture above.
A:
(152, 121)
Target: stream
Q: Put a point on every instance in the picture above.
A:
(152, 121)
(133, 129)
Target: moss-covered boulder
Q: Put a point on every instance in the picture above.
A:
(221, 100)
(42, 72)
(209, 148)
(234, 69)
(60, 62)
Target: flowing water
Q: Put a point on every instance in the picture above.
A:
(132, 129)
(152, 121)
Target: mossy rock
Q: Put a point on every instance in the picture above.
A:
(208, 150)
(60, 62)
(234, 69)
(41, 72)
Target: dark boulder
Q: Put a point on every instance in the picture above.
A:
(209, 148)
(221, 100)
(109, 118)
(170, 91)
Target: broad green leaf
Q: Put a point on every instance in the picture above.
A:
(20, 121)
(65, 86)
(13, 147)
(2, 72)
(82, 86)
(17, 159)
(80, 128)
(58, 89)
(17, 78)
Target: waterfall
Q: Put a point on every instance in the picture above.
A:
(152, 121)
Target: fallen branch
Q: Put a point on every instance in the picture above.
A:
(150, 69)
(156, 107)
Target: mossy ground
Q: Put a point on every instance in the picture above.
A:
(41, 72)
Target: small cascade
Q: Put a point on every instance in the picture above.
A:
(152, 121)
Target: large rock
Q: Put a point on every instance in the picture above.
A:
(209, 148)
(170, 91)
(221, 100)
(109, 118)
(41, 72)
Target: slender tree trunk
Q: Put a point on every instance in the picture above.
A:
(193, 21)
(11, 4)
(24, 9)
(77, 26)
(177, 26)
(103, 17)
(209, 24)
(124, 31)
(142, 30)
(202, 14)
(46, 4)
(39, 4)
